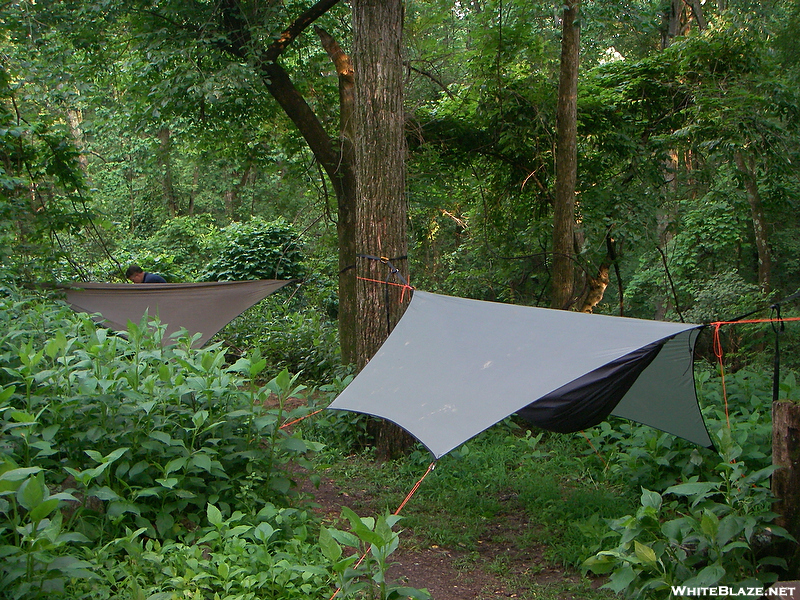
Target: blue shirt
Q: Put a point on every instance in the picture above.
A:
(153, 278)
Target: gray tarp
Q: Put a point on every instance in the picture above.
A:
(454, 367)
(199, 307)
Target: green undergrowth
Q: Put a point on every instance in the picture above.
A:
(569, 498)
(137, 467)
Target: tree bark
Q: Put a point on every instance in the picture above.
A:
(75, 119)
(165, 162)
(566, 160)
(345, 199)
(232, 196)
(786, 479)
(380, 153)
(677, 19)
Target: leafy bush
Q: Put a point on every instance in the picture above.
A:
(718, 528)
(708, 537)
(364, 573)
(343, 432)
(257, 249)
(112, 442)
(269, 555)
(303, 342)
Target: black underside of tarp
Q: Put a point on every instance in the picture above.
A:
(590, 399)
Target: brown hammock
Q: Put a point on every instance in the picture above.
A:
(203, 308)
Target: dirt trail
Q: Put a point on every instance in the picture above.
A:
(452, 574)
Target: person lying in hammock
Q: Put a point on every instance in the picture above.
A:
(137, 275)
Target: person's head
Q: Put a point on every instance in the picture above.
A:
(135, 273)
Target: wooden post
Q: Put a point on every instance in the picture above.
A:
(786, 479)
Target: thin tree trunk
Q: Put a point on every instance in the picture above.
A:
(665, 217)
(75, 118)
(345, 223)
(233, 202)
(566, 160)
(380, 153)
(336, 163)
(747, 169)
(164, 161)
(674, 25)
(193, 194)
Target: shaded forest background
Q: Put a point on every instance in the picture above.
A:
(226, 140)
(133, 133)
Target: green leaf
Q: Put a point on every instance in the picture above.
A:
(149, 492)
(116, 509)
(115, 455)
(175, 464)
(330, 548)
(621, 579)
(32, 492)
(19, 474)
(42, 510)
(20, 416)
(601, 563)
(709, 524)
(199, 418)
(105, 493)
(699, 489)
(362, 527)
(293, 444)
(164, 523)
(263, 532)
(223, 570)
(645, 554)
(214, 515)
(400, 592)
(201, 460)
(707, 577)
(160, 436)
(651, 499)
(168, 482)
(6, 393)
(147, 406)
(345, 537)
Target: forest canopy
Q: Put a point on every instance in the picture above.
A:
(120, 117)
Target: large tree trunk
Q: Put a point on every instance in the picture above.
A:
(566, 160)
(380, 153)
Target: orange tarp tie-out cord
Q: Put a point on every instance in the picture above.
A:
(600, 456)
(405, 286)
(718, 350)
(311, 414)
